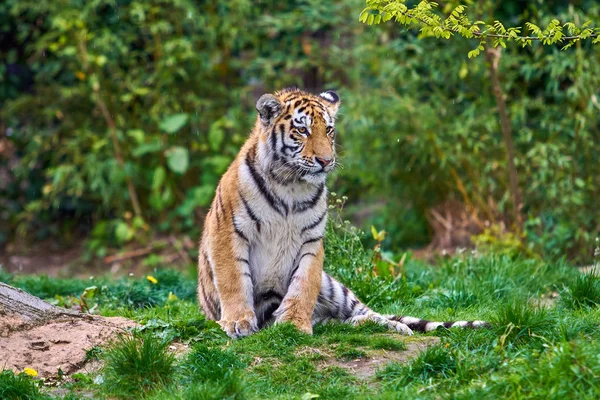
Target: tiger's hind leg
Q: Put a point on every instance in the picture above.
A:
(337, 302)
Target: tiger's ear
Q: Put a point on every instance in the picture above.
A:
(332, 100)
(268, 108)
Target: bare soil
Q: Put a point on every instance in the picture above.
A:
(366, 367)
(55, 345)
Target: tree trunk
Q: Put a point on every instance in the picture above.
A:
(29, 308)
(493, 58)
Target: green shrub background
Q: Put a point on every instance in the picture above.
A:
(418, 128)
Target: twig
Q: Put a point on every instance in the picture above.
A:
(183, 254)
(112, 127)
(127, 255)
(493, 58)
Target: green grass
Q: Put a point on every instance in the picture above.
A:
(534, 349)
(18, 387)
(137, 364)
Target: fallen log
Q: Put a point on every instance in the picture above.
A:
(49, 339)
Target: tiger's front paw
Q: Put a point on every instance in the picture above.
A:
(240, 325)
(289, 312)
(302, 325)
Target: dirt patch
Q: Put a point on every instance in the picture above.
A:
(366, 367)
(54, 345)
(52, 259)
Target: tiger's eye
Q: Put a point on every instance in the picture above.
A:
(302, 129)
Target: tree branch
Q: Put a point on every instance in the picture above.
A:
(493, 57)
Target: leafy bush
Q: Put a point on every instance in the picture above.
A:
(150, 100)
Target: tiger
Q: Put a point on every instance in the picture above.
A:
(261, 253)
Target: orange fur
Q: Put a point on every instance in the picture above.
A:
(299, 310)
(220, 281)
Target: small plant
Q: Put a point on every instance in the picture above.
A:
(18, 386)
(347, 353)
(584, 292)
(211, 364)
(386, 343)
(137, 363)
(435, 362)
(496, 240)
(518, 323)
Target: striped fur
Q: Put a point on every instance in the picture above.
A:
(261, 254)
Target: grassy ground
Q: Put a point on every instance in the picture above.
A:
(539, 346)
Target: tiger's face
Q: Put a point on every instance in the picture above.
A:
(299, 132)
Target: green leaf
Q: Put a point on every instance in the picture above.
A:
(158, 178)
(136, 134)
(122, 232)
(178, 159)
(173, 123)
(215, 136)
(90, 292)
(145, 148)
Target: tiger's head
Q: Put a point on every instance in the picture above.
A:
(298, 133)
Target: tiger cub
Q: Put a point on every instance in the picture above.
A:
(261, 253)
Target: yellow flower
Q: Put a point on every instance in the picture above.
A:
(152, 279)
(172, 297)
(30, 372)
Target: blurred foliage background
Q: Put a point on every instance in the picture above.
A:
(117, 119)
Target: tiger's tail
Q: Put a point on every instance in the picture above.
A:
(337, 302)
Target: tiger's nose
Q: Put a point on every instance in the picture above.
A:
(324, 161)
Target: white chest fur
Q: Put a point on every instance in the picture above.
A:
(279, 225)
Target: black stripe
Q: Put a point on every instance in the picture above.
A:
(273, 141)
(219, 198)
(353, 305)
(248, 275)
(287, 116)
(308, 204)
(262, 187)
(236, 229)
(312, 240)
(319, 106)
(331, 288)
(418, 326)
(240, 233)
(269, 294)
(321, 297)
(205, 301)
(314, 224)
(242, 260)
(278, 179)
(447, 324)
(268, 313)
(346, 310)
(331, 296)
(250, 212)
(304, 255)
(292, 275)
(363, 310)
(216, 306)
(285, 147)
(210, 271)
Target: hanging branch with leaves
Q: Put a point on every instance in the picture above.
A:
(430, 22)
